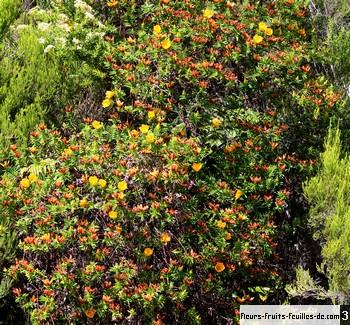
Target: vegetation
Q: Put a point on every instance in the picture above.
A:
(150, 150)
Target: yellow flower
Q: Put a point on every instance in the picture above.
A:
(102, 183)
(148, 251)
(228, 236)
(32, 177)
(150, 138)
(83, 203)
(67, 152)
(208, 13)
(166, 44)
(113, 214)
(110, 94)
(165, 238)
(112, 3)
(268, 31)
(216, 122)
(25, 183)
(144, 128)
(238, 194)
(96, 125)
(219, 267)
(151, 115)
(257, 39)
(93, 180)
(122, 186)
(157, 30)
(107, 102)
(221, 224)
(262, 26)
(197, 167)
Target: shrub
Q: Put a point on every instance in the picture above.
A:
(328, 195)
(167, 210)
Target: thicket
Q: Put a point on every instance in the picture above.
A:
(164, 202)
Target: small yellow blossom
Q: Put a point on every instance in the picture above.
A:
(110, 94)
(107, 102)
(93, 180)
(151, 115)
(96, 125)
(208, 13)
(150, 138)
(262, 26)
(68, 152)
(32, 177)
(157, 30)
(238, 194)
(25, 183)
(216, 122)
(148, 251)
(144, 128)
(122, 186)
(257, 39)
(102, 183)
(166, 44)
(219, 267)
(112, 3)
(165, 238)
(83, 203)
(197, 167)
(228, 236)
(113, 214)
(221, 224)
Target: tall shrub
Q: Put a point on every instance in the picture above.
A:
(329, 196)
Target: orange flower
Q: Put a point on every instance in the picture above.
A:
(90, 313)
(84, 202)
(221, 224)
(134, 134)
(148, 251)
(228, 236)
(165, 238)
(219, 267)
(197, 167)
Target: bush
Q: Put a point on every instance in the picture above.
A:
(167, 210)
(328, 195)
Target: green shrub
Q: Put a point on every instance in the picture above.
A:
(328, 194)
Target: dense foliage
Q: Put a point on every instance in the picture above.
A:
(162, 201)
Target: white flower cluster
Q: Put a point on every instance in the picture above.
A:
(83, 6)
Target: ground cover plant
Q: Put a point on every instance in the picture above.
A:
(166, 205)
